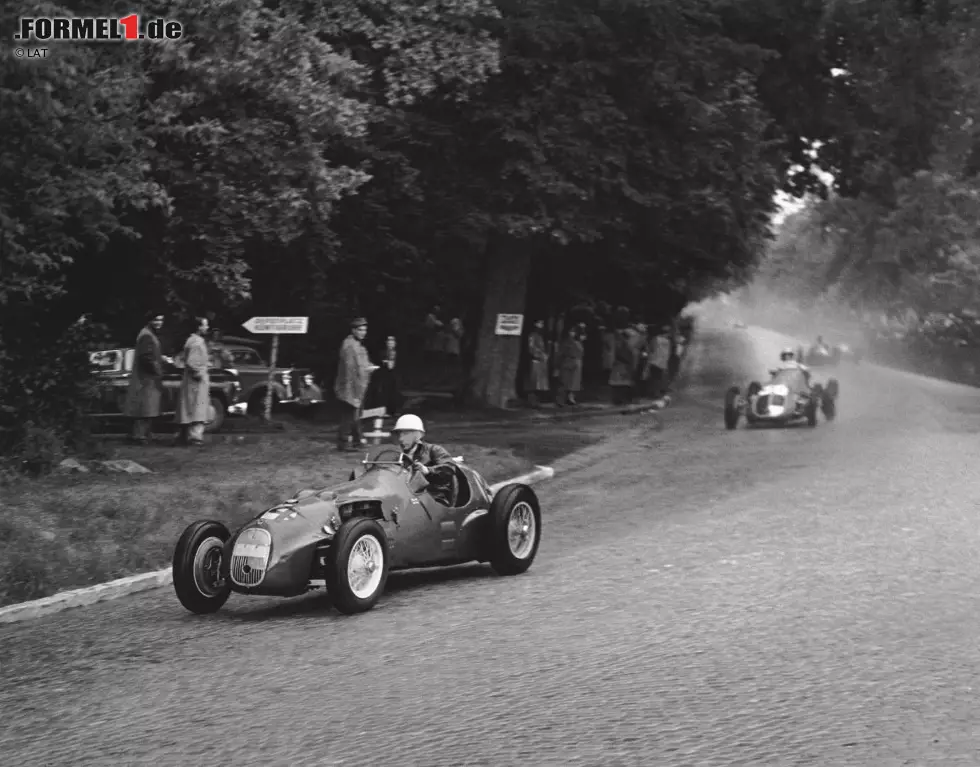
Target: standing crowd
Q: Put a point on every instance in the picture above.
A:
(630, 357)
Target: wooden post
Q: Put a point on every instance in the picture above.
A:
(272, 366)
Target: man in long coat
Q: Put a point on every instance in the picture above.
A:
(353, 376)
(194, 402)
(537, 374)
(145, 380)
(570, 356)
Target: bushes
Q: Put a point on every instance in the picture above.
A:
(46, 387)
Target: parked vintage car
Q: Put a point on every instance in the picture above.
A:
(786, 399)
(253, 373)
(112, 369)
(348, 538)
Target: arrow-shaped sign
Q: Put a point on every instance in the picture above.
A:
(277, 325)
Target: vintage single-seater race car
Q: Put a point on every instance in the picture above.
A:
(348, 538)
(785, 399)
(820, 356)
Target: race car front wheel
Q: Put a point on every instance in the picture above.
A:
(515, 529)
(357, 569)
(731, 408)
(197, 567)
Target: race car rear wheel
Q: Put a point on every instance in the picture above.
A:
(197, 567)
(515, 529)
(833, 388)
(731, 408)
(357, 568)
(829, 407)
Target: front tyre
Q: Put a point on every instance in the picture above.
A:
(357, 570)
(197, 567)
(515, 529)
(731, 408)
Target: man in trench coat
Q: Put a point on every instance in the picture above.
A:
(353, 376)
(194, 402)
(145, 380)
(537, 373)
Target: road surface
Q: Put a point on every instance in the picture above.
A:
(701, 597)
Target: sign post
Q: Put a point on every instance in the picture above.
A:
(509, 325)
(274, 326)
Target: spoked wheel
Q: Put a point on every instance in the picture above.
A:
(217, 416)
(197, 567)
(358, 570)
(731, 408)
(515, 529)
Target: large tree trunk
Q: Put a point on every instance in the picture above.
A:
(497, 357)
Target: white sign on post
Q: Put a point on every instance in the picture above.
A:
(509, 324)
(277, 325)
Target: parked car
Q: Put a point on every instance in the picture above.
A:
(113, 366)
(253, 373)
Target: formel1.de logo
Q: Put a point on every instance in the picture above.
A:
(96, 29)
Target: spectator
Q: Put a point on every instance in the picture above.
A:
(353, 376)
(570, 355)
(657, 363)
(385, 390)
(537, 374)
(309, 393)
(434, 338)
(622, 377)
(608, 338)
(454, 341)
(641, 349)
(145, 380)
(194, 401)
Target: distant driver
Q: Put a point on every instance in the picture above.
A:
(432, 461)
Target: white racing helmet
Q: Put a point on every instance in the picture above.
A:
(409, 422)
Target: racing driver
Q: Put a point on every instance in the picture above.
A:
(788, 361)
(432, 461)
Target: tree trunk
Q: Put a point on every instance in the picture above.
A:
(497, 357)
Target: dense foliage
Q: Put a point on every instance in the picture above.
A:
(372, 156)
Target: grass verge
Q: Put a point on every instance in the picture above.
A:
(65, 532)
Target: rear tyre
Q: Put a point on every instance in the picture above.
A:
(731, 408)
(357, 568)
(197, 567)
(811, 411)
(833, 388)
(218, 415)
(829, 408)
(515, 529)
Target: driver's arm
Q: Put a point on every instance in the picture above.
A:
(439, 456)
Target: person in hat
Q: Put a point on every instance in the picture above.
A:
(432, 461)
(145, 391)
(353, 375)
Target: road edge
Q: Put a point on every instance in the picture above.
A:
(134, 584)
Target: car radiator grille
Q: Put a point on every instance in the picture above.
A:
(250, 557)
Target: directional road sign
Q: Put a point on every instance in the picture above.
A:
(277, 325)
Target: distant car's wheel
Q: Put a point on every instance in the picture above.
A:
(833, 388)
(197, 567)
(731, 408)
(256, 403)
(515, 529)
(219, 411)
(357, 569)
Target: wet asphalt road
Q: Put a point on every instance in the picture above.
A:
(701, 597)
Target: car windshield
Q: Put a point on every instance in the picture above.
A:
(383, 457)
